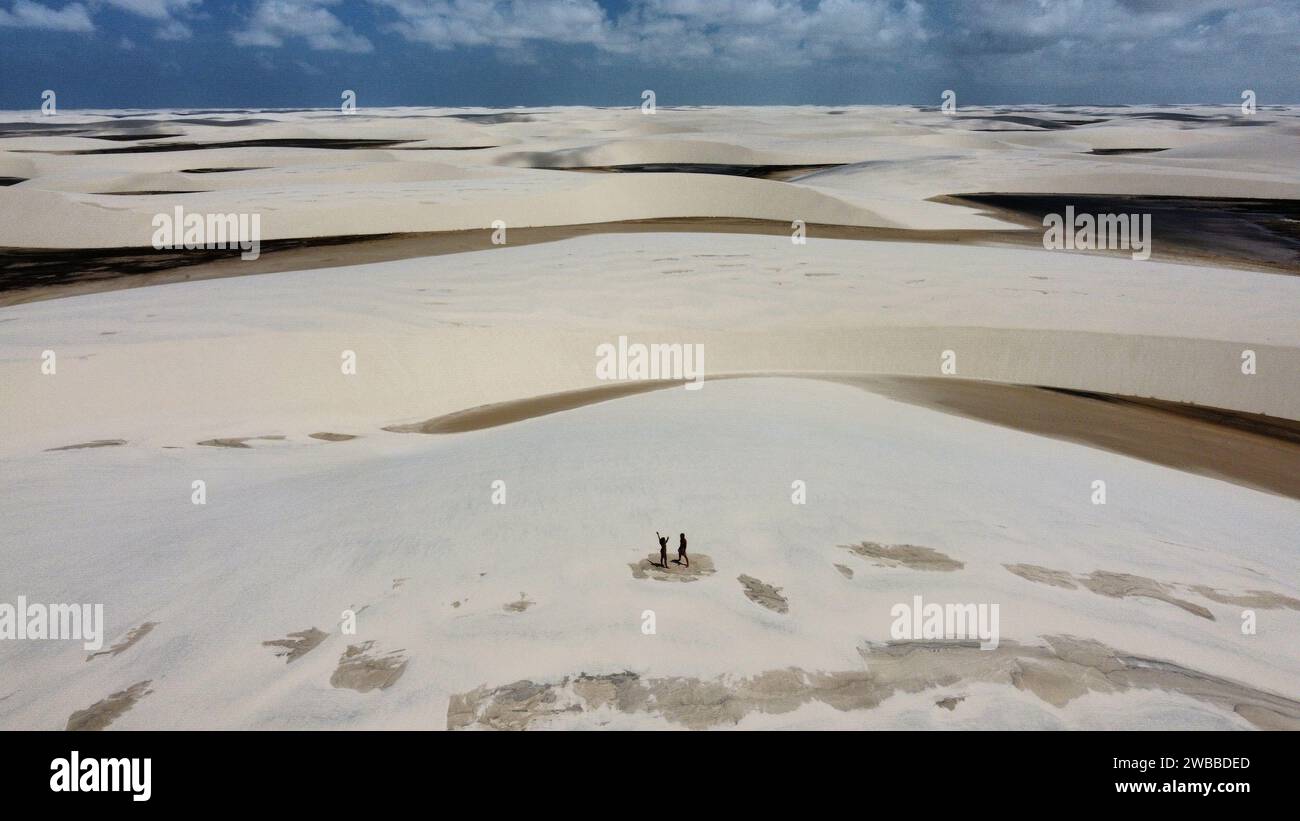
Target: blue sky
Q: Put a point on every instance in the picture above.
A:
(303, 53)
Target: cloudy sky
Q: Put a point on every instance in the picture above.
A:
(302, 53)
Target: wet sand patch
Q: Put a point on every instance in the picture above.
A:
(1126, 585)
(1057, 673)
(764, 595)
(649, 568)
(1260, 599)
(1273, 427)
(1043, 575)
(761, 172)
(1253, 451)
(362, 669)
(103, 713)
(128, 641)
(518, 606)
(505, 413)
(98, 443)
(510, 707)
(911, 556)
(296, 645)
(236, 442)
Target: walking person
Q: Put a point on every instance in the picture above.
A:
(663, 551)
(681, 552)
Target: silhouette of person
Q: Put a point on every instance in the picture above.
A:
(663, 551)
(681, 552)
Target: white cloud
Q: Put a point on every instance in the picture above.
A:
(780, 32)
(154, 9)
(173, 30)
(27, 14)
(1124, 43)
(1027, 24)
(163, 12)
(450, 23)
(911, 35)
(273, 21)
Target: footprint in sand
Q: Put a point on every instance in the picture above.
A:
(362, 670)
(298, 644)
(764, 594)
(332, 437)
(845, 570)
(103, 713)
(132, 636)
(518, 606)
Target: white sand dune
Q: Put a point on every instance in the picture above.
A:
(313, 507)
(911, 156)
(380, 208)
(295, 532)
(437, 335)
